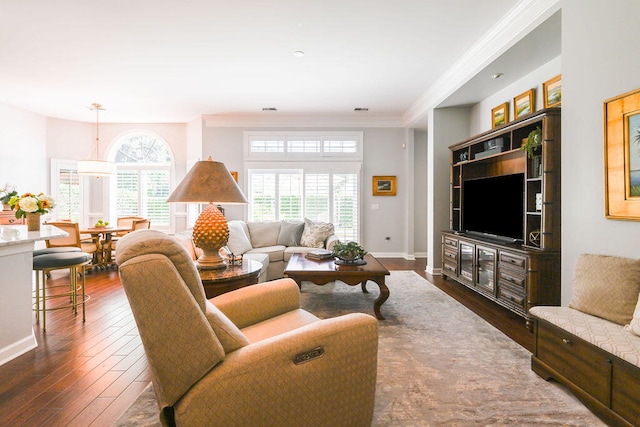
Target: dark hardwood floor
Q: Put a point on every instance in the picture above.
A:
(88, 374)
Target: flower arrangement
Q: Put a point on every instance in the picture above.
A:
(31, 203)
(7, 192)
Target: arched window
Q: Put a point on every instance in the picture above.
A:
(142, 185)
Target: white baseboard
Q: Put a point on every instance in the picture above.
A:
(18, 348)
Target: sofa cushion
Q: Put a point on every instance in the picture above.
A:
(606, 286)
(276, 253)
(634, 326)
(239, 242)
(290, 233)
(264, 233)
(296, 250)
(315, 233)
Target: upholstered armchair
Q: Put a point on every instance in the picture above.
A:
(250, 357)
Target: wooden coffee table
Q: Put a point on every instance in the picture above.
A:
(300, 269)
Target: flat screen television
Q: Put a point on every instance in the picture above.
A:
(494, 206)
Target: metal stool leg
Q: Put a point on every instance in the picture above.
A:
(44, 301)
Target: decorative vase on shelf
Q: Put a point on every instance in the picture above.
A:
(33, 221)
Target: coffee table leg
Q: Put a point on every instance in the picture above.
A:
(363, 285)
(384, 295)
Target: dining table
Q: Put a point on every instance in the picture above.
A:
(103, 237)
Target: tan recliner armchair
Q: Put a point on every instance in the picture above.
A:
(250, 357)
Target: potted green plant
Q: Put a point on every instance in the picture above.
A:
(534, 139)
(349, 253)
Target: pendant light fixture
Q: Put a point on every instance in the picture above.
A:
(96, 167)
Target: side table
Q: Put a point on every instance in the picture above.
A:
(217, 282)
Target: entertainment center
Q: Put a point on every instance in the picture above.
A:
(504, 237)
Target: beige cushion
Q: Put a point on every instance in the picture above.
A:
(634, 326)
(290, 233)
(239, 242)
(264, 233)
(229, 335)
(315, 233)
(275, 253)
(606, 287)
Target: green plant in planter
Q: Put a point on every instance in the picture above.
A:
(534, 139)
(349, 251)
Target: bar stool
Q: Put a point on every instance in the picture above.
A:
(47, 260)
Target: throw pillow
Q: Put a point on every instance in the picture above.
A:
(315, 233)
(606, 287)
(238, 240)
(264, 233)
(290, 233)
(634, 326)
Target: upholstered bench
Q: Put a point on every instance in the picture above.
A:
(593, 346)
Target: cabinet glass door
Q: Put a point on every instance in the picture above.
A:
(466, 261)
(486, 272)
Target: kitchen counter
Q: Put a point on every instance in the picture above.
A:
(16, 287)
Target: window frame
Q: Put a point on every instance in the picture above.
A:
(170, 167)
(287, 155)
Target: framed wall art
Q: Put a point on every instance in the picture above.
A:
(622, 156)
(524, 104)
(552, 90)
(500, 115)
(234, 174)
(384, 185)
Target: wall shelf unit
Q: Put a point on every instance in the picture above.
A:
(524, 273)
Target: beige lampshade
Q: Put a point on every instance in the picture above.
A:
(209, 181)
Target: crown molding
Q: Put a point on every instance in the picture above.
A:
(276, 120)
(515, 25)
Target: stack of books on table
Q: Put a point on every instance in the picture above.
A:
(319, 254)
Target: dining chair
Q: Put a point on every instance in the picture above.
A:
(126, 221)
(90, 246)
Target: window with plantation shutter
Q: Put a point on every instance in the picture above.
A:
(295, 175)
(142, 184)
(66, 190)
(285, 194)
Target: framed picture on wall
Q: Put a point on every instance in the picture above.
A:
(524, 104)
(622, 156)
(384, 185)
(552, 90)
(234, 174)
(500, 115)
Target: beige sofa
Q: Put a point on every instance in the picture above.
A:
(593, 345)
(278, 240)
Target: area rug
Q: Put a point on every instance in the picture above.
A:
(438, 363)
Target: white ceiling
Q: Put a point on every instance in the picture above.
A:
(163, 61)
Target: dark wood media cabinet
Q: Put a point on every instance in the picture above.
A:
(509, 274)
(519, 275)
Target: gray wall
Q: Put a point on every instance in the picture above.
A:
(384, 154)
(600, 60)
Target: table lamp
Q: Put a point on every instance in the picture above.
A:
(211, 182)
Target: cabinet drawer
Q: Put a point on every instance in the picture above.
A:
(10, 220)
(450, 254)
(581, 363)
(512, 278)
(513, 295)
(512, 260)
(450, 268)
(450, 243)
